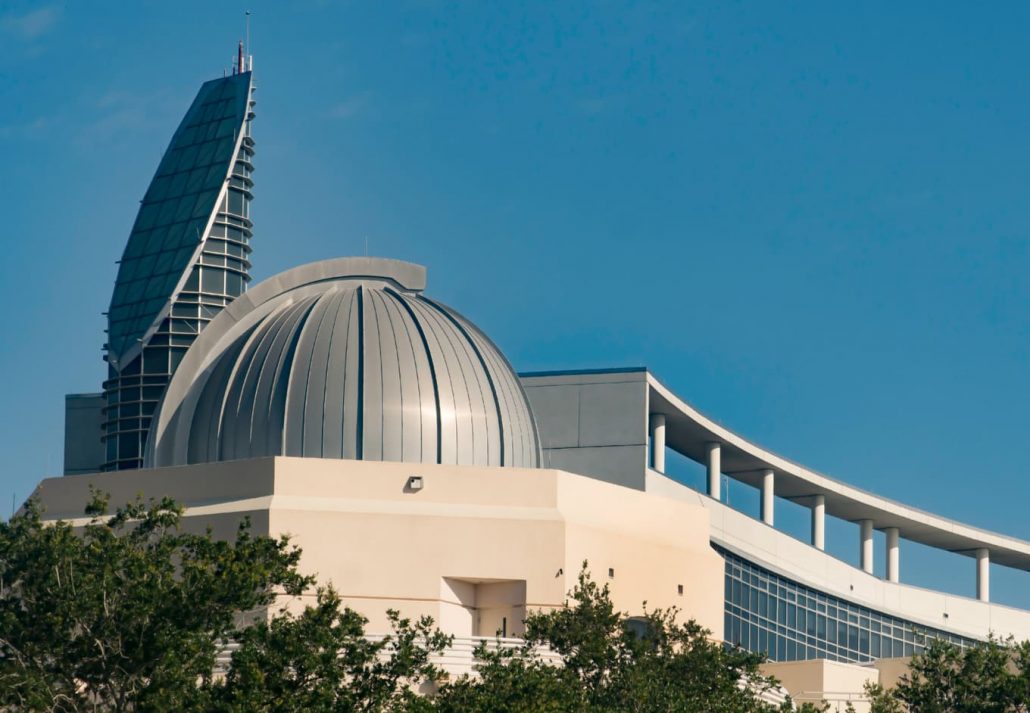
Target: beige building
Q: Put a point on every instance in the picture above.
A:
(390, 438)
(472, 547)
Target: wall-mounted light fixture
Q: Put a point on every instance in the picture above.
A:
(414, 483)
(611, 572)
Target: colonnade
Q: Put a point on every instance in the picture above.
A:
(817, 505)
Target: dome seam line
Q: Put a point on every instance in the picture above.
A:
(432, 370)
(486, 371)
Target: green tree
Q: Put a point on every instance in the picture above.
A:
(320, 660)
(126, 612)
(990, 677)
(606, 665)
(512, 681)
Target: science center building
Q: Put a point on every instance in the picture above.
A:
(341, 403)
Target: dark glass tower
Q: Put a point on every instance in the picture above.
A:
(187, 257)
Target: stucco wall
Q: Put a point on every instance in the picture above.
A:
(836, 684)
(383, 545)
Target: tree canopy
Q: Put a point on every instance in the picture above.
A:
(128, 612)
(659, 664)
(992, 677)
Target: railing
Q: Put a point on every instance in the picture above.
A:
(837, 700)
(456, 660)
(459, 659)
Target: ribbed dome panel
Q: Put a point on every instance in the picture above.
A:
(352, 367)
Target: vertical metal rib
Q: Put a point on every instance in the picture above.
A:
(235, 426)
(482, 362)
(302, 373)
(326, 422)
(374, 400)
(459, 440)
(271, 439)
(429, 358)
(524, 426)
(203, 434)
(359, 440)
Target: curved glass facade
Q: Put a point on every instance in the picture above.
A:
(788, 621)
(162, 254)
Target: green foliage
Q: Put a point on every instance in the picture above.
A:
(321, 661)
(992, 677)
(604, 666)
(128, 612)
(511, 681)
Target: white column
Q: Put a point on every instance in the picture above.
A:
(768, 496)
(983, 575)
(893, 554)
(714, 470)
(658, 442)
(865, 548)
(819, 522)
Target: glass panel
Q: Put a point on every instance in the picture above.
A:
(174, 196)
(804, 630)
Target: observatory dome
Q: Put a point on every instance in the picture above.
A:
(344, 358)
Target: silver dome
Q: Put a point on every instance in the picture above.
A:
(344, 359)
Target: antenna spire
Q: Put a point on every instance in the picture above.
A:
(250, 58)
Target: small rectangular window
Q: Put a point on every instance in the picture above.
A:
(128, 446)
(236, 203)
(212, 281)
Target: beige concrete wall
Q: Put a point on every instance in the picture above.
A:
(458, 548)
(384, 547)
(838, 684)
(375, 540)
(218, 495)
(652, 545)
(891, 670)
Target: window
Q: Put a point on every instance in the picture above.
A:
(768, 613)
(211, 281)
(236, 203)
(234, 286)
(639, 626)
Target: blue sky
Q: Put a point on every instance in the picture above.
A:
(808, 219)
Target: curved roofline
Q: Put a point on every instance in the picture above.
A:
(406, 276)
(688, 431)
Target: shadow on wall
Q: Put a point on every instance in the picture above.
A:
(482, 607)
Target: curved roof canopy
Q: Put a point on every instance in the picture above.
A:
(344, 358)
(689, 432)
(176, 213)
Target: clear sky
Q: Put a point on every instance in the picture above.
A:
(808, 219)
